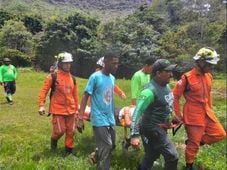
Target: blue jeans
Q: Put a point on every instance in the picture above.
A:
(156, 143)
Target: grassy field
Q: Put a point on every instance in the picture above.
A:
(25, 136)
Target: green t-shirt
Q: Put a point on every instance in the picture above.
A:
(138, 81)
(7, 73)
(155, 103)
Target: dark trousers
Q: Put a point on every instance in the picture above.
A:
(10, 87)
(156, 143)
(105, 142)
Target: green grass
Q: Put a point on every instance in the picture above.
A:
(25, 136)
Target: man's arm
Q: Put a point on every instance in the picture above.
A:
(119, 92)
(1, 75)
(135, 83)
(76, 96)
(145, 99)
(15, 72)
(43, 93)
(177, 93)
(83, 103)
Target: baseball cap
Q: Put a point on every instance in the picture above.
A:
(162, 64)
(6, 59)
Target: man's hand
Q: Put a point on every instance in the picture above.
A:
(135, 142)
(80, 125)
(133, 102)
(41, 110)
(167, 125)
(177, 120)
(123, 96)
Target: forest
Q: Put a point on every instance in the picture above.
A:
(33, 32)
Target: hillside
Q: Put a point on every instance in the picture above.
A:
(118, 5)
(105, 9)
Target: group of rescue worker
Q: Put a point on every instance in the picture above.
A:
(156, 108)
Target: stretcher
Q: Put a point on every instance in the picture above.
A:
(123, 117)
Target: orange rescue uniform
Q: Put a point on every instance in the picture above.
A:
(202, 126)
(63, 105)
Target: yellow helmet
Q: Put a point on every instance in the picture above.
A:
(208, 54)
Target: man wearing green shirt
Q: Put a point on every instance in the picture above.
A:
(153, 110)
(141, 78)
(8, 75)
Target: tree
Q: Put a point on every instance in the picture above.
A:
(16, 43)
(75, 34)
(33, 24)
(4, 16)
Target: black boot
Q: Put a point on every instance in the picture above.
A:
(69, 153)
(189, 166)
(53, 144)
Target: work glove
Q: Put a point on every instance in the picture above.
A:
(41, 110)
(80, 125)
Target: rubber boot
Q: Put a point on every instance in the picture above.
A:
(53, 144)
(189, 166)
(69, 153)
(9, 99)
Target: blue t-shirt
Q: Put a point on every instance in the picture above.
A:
(100, 87)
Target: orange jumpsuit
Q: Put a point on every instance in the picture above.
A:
(202, 126)
(63, 105)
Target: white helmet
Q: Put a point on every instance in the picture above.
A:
(100, 62)
(208, 54)
(65, 57)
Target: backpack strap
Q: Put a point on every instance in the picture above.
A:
(54, 78)
(74, 79)
(187, 87)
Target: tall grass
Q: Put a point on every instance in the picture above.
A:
(25, 136)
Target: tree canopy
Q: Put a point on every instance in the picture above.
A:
(168, 29)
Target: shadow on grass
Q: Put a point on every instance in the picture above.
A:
(84, 145)
(130, 160)
(4, 103)
(47, 154)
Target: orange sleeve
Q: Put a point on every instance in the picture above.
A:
(118, 90)
(44, 90)
(177, 93)
(76, 97)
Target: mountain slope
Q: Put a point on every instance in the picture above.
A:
(102, 4)
(105, 9)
